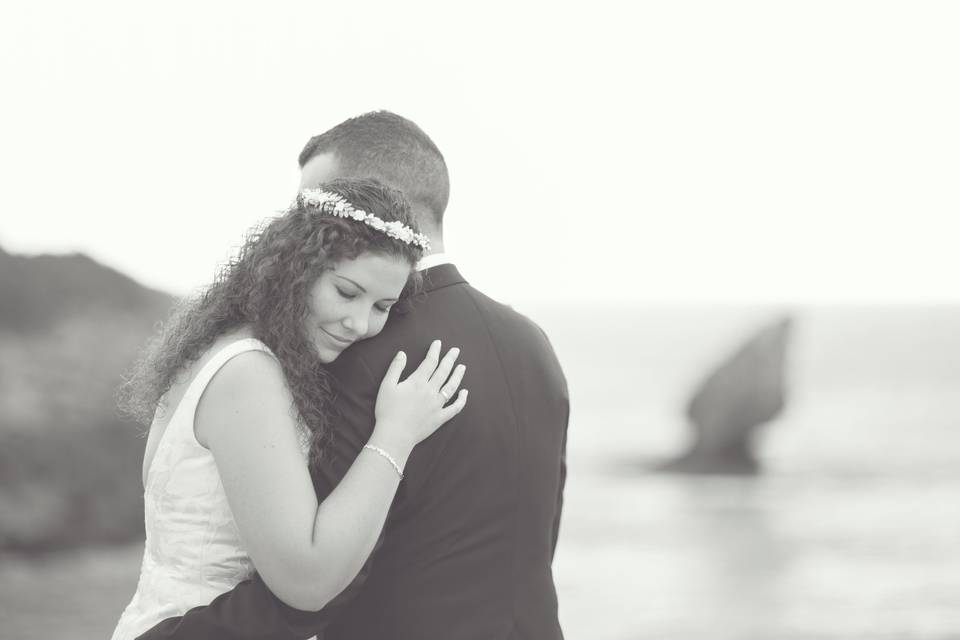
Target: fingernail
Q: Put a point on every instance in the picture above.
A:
(401, 355)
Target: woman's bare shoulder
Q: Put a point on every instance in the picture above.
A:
(248, 389)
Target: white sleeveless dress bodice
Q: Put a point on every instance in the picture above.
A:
(193, 551)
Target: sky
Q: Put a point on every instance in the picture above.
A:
(601, 152)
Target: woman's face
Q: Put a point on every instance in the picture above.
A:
(351, 301)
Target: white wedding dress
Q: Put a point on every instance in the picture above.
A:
(193, 551)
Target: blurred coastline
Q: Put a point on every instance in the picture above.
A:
(850, 531)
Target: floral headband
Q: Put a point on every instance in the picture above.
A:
(336, 205)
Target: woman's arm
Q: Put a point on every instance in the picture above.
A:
(308, 552)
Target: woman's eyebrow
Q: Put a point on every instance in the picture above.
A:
(353, 282)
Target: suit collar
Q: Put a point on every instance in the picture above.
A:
(442, 275)
(438, 277)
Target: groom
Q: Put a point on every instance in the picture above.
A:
(467, 548)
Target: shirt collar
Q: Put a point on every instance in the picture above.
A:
(432, 260)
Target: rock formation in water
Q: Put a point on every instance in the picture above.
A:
(743, 393)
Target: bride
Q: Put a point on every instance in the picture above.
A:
(241, 407)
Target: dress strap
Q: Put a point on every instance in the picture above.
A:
(187, 408)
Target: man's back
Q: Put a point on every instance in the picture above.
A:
(467, 548)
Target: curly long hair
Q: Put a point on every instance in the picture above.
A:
(266, 286)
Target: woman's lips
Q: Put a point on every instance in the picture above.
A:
(337, 339)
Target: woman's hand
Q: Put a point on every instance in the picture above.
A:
(410, 411)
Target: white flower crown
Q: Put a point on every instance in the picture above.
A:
(336, 205)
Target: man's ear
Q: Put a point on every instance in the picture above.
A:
(321, 168)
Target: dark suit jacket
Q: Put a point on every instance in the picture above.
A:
(467, 548)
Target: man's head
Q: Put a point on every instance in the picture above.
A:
(389, 148)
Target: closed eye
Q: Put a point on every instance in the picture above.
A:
(346, 294)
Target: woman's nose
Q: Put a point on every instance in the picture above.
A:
(357, 323)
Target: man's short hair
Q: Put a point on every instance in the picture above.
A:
(392, 149)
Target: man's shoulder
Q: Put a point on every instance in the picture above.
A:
(434, 315)
(505, 316)
(366, 361)
(357, 365)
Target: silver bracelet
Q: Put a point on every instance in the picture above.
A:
(387, 456)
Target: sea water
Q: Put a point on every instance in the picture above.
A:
(852, 530)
